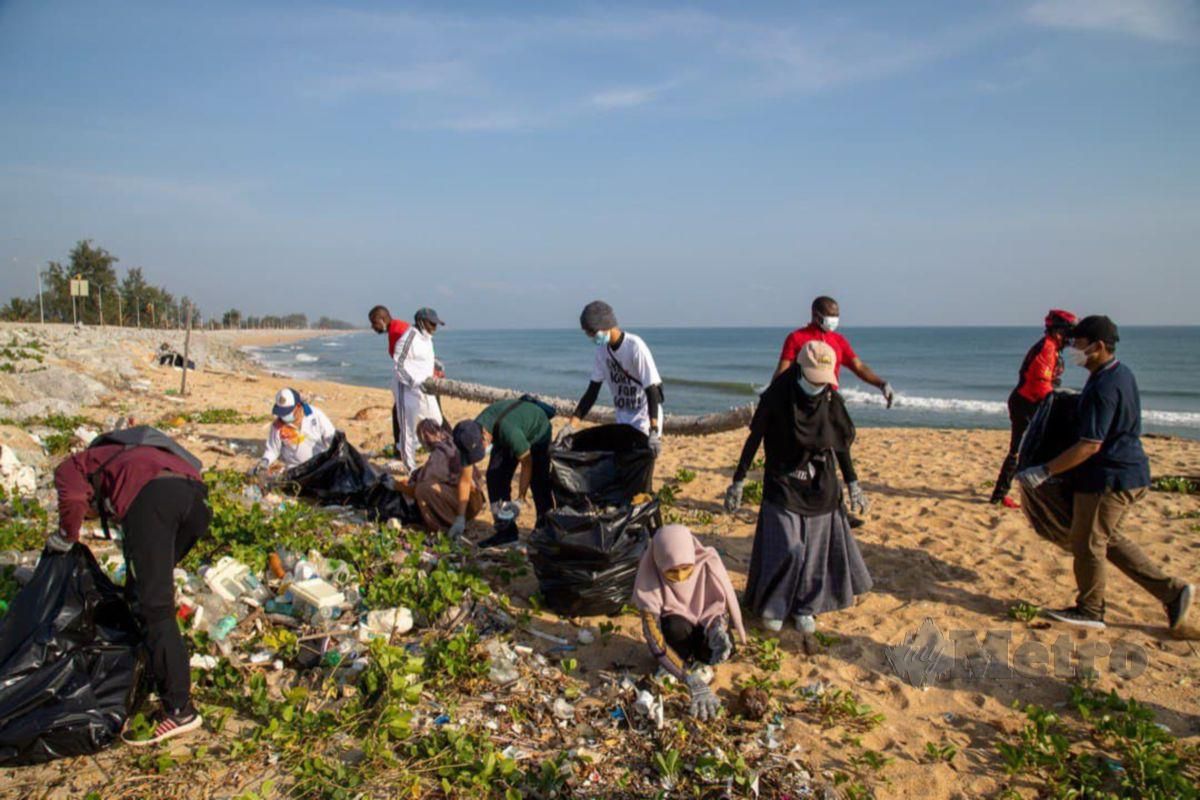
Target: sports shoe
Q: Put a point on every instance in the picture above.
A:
(773, 625)
(805, 623)
(169, 726)
(503, 539)
(1177, 609)
(1077, 616)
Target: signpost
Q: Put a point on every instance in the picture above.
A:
(79, 288)
(187, 342)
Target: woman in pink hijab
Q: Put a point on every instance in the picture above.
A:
(687, 602)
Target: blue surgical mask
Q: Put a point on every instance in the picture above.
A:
(601, 338)
(811, 388)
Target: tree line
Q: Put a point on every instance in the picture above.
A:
(130, 301)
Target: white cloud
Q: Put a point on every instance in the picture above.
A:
(1158, 20)
(414, 79)
(626, 97)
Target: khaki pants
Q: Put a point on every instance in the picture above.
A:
(1088, 525)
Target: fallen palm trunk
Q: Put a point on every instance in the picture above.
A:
(675, 424)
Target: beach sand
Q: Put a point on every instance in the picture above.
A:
(938, 552)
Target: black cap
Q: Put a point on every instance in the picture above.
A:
(468, 438)
(428, 315)
(597, 316)
(1097, 328)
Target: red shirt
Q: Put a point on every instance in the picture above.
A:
(396, 329)
(120, 479)
(796, 339)
(1041, 371)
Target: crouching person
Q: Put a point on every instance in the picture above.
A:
(434, 485)
(298, 433)
(687, 604)
(157, 498)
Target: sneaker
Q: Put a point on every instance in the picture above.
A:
(1177, 609)
(1077, 616)
(169, 726)
(773, 625)
(503, 539)
(805, 623)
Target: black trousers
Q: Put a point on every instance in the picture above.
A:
(1020, 411)
(165, 520)
(502, 466)
(688, 640)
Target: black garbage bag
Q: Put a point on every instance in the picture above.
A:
(71, 662)
(1053, 428)
(602, 466)
(342, 476)
(586, 562)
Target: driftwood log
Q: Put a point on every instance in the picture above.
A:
(674, 425)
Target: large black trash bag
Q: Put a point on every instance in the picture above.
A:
(71, 662)
(586, 562)
(602, 466)
(1053, 428)
(342, 476)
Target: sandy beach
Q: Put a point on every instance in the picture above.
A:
(939, 554)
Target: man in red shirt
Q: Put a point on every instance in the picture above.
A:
(382, 322)
(825, 317)
(160, 503)
(1040, 373)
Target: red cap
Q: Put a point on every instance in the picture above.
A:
(1057, 318)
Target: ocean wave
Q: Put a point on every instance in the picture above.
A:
(305, 358)
(723, 387)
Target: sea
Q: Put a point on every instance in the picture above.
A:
(944, 377)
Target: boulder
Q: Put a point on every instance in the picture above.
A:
(24, 446)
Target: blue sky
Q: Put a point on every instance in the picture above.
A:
(700, 164)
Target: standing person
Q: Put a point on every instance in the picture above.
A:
(1040, 374)
(804, 561)
(298, 433)
(687, 603)
(415, 364)
(159, 501)
(382, 322)
(625, 363)
(515, 433)
(1109, 474)
(826, 315)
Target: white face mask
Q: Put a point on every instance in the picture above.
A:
(289, 418)
(1077, 357)
(829, 324)
(811, 388)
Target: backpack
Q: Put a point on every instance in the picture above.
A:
(129, 438)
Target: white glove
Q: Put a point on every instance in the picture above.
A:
(58, 542)
(704, 705)
(1033, 477)
(717, 637)
(733, 496)
(858, 498)
(889, 394)
(655, 443)
(563, 432)
(459, 527)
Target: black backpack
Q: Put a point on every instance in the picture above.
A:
(129, 438)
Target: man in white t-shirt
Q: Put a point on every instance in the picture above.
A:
(625, 363)
(414, 364)
(297, 433)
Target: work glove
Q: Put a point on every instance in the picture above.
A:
(459, 527)
(59, 542)
(717, 638)
(733, 496)
(889, 394)
(1033, 477)
(258, 469)
(655, 443)
(704, 704)
(563, 432)
(859, 504)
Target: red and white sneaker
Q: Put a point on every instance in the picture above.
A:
(169, 726)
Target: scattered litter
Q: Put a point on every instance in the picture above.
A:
(585, 636)
(649, 706)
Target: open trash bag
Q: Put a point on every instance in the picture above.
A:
(602, 466)
(71, 662)
(586, 562)
(342, 476)
(1053, 428)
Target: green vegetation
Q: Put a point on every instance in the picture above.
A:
(752, 494)
(212, 416)
(683, 475)
(1179, 484)
(24, 524)
(1024, 612)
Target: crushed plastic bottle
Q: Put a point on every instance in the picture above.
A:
(502, 668)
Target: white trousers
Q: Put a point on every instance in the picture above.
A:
(412, 406)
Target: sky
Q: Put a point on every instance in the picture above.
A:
(701, 164)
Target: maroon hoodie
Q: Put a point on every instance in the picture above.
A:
(123, 473)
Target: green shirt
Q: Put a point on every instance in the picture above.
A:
(523, 427)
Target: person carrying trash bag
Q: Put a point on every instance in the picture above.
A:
(514, 433)
(687, 604)
(625, 363)
(804, 561)
(150, 487)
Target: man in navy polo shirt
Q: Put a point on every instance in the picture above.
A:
(1111, 473)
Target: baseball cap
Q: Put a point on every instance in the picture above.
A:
(428, 315)
(468, 438)
(1058, 318)
(286, 402)
(817, 362)
(1097, 328)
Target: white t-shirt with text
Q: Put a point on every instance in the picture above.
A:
(629, 398)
